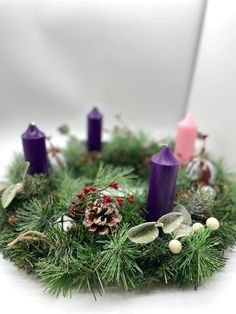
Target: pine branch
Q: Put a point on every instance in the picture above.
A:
(78, 160)
(107, 174)
(70, 265)
(183, 182)
(199, 259)
(34, 215)
(118, 260)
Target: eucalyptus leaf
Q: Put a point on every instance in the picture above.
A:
(9, 194)
(171, 222)
(23, 170)
(183, 231)
(144, 233)
(186, 215)
(4, 185)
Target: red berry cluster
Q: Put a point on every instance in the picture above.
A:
(91, 192)
(120, 200)
(86, 190)
(76, 209)
(130, 199)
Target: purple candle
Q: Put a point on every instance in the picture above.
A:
(94, 130)
(162, 183)
(35, 152)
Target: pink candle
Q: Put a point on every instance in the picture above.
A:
(185, 139)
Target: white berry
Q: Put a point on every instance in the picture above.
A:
(175, 246)
(213, 223)
(197, 226)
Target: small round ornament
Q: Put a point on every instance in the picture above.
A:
(213, 223)
(66, 223)
(201, 170)
(197, 226)
(175, 246)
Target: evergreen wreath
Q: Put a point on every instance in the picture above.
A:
(83, 226)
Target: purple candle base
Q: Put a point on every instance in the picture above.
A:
(35, 152)
(162, 183)
(94, 130)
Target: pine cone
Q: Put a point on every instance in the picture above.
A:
(201, 203)
(102, 217)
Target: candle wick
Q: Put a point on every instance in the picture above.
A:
(32, 127)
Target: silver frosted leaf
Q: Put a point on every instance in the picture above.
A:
(186, 215)
(183, 231)
(4, 185)
(144, 233)
(9, 194)
(171, 222)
